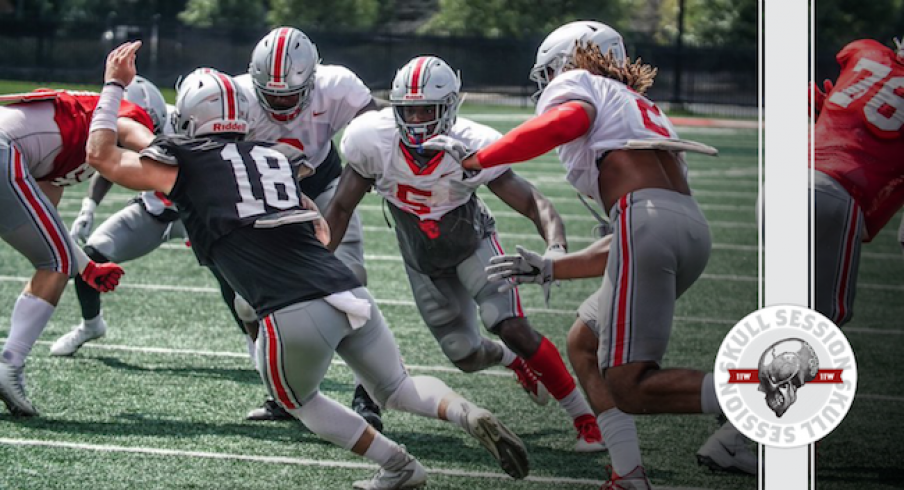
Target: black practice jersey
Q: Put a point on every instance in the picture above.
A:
(226, 186)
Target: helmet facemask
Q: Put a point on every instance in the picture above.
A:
(415, 134)
(286, 113)
(427, 83)
(543, 74)
(283, 64)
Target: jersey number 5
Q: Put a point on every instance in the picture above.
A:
(276, 179)
(884, 111)
(415, 198)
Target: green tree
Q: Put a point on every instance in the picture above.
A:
(231, 13)
(335, 14)
(520, 18)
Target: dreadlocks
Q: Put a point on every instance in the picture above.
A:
(636, 75)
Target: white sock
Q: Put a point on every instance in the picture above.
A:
(30, 316)
(575, 404)
(382, 450)
(94, 324)
(508, 357)
(620, 436)
(709, 403)
(252, 351)
(331, 420)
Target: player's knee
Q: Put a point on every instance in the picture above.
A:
(519, 336)
(95, 254)
(581, 343)
(462, 350)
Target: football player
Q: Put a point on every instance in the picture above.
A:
(304, 103)
(243, 210)
(447, 235)
(135, 231)
(620, 149)
(859, 172)
(42, 150)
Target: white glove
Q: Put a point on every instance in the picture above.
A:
(453, 147)
(84, 222)
(525, 268)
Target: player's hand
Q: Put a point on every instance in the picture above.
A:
(84, 222)
(120, 65)
(102, 277)
(525, 268)
(454, 148)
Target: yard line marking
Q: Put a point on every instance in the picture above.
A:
(325, 463)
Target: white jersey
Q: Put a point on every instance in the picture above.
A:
(156, 202)
(622, 115)
(36, 134)
(373, 147)
(337, 96)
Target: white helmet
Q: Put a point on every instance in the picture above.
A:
(146, 95)
(283, 65)
(558, 48)
(425, 81)
(209, 102)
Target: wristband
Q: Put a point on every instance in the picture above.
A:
(116, 83)
(107, 110)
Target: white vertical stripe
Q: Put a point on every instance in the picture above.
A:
(785, 192)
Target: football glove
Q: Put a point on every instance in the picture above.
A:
(525, 268)
(453, 147)
(102, 277)
(84, 222)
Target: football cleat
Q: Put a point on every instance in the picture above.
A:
(401, 472)
(635, 480)
(270, 410)
(364, 406)
(12, 390)
(502, 443)
(727, 450)
(590, 440)
(528, 380)
(70, 343)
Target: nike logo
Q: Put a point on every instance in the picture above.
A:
(728, 450)
(319, 113)
(447, 174)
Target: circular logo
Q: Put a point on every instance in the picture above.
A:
(785, 376)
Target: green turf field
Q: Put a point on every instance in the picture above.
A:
(160, 401)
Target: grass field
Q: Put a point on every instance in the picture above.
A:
(160, 401)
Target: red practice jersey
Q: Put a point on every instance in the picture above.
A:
(72, 115)
(859, 140)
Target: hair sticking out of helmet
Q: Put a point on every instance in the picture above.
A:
(557, 50)
(636, 75)
(425, 99)
(209, 102)
(282, 68)
(146, 95)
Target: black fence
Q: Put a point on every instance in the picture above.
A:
(44, 51)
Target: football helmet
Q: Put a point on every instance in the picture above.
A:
(425, 82)
(283, 65)
(146, 95)
(209, 102)
(556, 51)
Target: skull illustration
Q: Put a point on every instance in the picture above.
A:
(784, 367)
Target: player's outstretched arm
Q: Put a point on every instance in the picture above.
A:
(523, 197)
(536, 136)
(352, 188)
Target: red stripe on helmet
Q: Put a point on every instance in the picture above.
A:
(416, 74)
(281, 39)
(231, 96)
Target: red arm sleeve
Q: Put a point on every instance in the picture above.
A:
(537, 136)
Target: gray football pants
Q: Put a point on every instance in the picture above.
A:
(131, 233)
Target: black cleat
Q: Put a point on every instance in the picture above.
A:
(270, 410)
(364, 406)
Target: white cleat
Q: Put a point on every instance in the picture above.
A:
(401, 472)
(12, 390)
(727, 450)
(70, 343)
(502, 443)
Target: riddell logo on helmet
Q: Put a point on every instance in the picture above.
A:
(277, 85)
(414, 96)
(230, 127)
(765, 361)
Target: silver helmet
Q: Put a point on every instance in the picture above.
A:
(283, 64)
(557, 50)
(209, 102)
(146, 95)
(425, 81)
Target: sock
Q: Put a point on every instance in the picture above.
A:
(709, 403)
(508, 357)
(575, 404)
(88, 298)
(457, 410)
(252, 351)
(93, 324)
(620, 436)
(548, 364)
(30, 316)
(382, 450)
(330, 420)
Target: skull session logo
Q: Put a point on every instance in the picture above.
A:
(785, 376)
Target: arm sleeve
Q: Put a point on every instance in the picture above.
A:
(559, 125)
